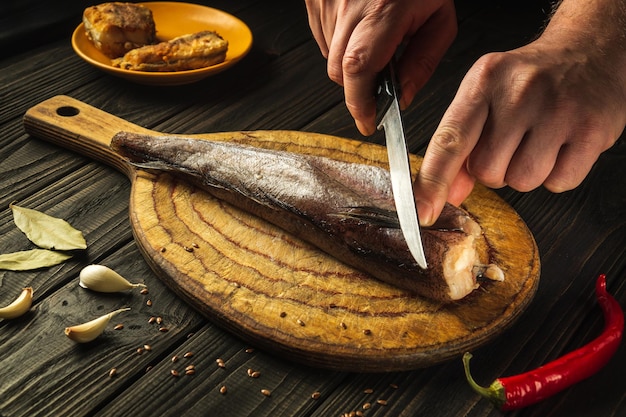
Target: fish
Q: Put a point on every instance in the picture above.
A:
(345, 209)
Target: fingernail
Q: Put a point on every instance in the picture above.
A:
(406, 95)
(424, 212)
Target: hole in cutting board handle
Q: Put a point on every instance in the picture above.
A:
(67, 111)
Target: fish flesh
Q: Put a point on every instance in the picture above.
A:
(345, 209)
(186, 52)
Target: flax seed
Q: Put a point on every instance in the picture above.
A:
(316, 395)
(144, 291)
(249, 350)
(188, 354)
(188, 249)
(266, 392)
(368, 390)
(359, 413)
(300, 322)
(164, 329)
(343, 325)
(220, 363)
(118, 326)
(174, 372)
(174, 359)
(367, 406)
(223, 389)
(163, 249)
(394, 386)
(367, 332)
(139, 351)
(159, 320)
(112, 372)
(149, 303)
(190, 372)
(283, 314)
(381, 402)
(147, 347)
(151, 319)
(195, 245)
(190, 367)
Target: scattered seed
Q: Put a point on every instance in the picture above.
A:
(283, 314)
(188, 249)
(195, 245)
(316, 395)
(249, 350)
(366, 406)
(381, 402)
(394, 386)
(174, 372)
(235, 284)
(189, 367)
(174, 358)
(332, 305)
(163, 329)
(343, 325)
(144, 291)
(367, 332)
(266, 392)
(148, 368)
(359, 413)
(139, 351)
(147, 347)
(149, 303)
(190, 372)
(368, 390)
(188, 354)
(159, 320)
(300, 322)
(118, 326)
(253, 374)
(220, 363)
(151, 319)
(112, 372)
(163, 249)
(223, 389)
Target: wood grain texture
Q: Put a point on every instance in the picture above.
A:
(279, 292)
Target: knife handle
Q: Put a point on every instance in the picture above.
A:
(387, 90)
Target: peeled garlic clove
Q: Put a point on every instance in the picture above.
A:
(18, 307)
(86, 332)
(103, 279)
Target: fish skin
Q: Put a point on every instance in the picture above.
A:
(334, 205)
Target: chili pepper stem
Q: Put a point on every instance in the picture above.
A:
(494, 393)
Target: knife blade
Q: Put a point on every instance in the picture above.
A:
(390, 119)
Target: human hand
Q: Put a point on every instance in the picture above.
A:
(538, 115)
(360, 38)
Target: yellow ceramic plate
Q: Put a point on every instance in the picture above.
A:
(175, 19)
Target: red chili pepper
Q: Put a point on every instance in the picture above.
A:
(531, 387)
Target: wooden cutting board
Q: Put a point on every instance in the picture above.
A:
(281, 294)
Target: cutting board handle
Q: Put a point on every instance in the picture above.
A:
(80, 127)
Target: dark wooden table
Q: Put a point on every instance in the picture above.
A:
(281, 84)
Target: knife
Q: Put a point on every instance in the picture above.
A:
(389, 118)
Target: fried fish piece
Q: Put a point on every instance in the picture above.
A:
(116, 28)
(187, 52)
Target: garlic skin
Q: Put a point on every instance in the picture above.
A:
(86, 332)
(20, 306)
(103, 279)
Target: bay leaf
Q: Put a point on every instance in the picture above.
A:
(31, 259)
(46, 231)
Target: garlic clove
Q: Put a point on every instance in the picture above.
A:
(18, 307)
(86, 332)
(103, 279)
